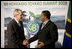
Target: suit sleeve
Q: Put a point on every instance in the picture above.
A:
(53, 36)
(13, 35)
(33, 38)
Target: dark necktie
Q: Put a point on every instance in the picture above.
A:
(19, 24)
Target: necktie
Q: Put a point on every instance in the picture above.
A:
(42, 26)
(19, 24)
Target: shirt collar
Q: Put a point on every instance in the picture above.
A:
(45, 22)
(16, 20)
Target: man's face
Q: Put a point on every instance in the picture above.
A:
(19, 16)
(42, 17)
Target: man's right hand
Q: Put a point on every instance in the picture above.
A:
(25, 42)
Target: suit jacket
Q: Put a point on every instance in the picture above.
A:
(48, 35)
(15, 35)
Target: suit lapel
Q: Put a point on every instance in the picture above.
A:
(17, 24)
(21, 24)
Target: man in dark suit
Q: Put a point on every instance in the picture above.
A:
(15, 31)
(47, 35)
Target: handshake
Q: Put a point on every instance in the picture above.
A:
(26, 42)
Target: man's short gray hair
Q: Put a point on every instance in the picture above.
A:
(16, 11)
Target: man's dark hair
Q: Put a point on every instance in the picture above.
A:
(46, 13)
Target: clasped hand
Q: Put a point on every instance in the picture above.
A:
(25, 42)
